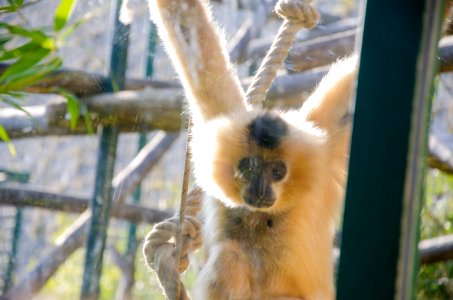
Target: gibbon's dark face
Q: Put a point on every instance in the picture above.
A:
(263, 160)
(258, 174)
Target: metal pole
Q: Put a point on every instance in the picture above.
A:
(150, 55)
(132, 235)
(16, 231)
(380, 229)
(14, 248)
(102, 198)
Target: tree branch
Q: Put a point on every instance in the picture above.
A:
(85, 84)
(436, 249)
(446, 54)
(148, 109)
(313, 53)
(25, 197)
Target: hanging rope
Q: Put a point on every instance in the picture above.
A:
(297, 14)
(182, 206)
(159, 247)
(167, 246)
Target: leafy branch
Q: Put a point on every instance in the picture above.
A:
(33, 54)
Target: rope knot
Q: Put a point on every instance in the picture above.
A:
(298, 11)
(159, 247)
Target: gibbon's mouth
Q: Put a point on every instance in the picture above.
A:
(259, 202)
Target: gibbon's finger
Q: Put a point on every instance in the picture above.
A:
(190, 244)
(197, 240)
(183, 263)
(191, 226)
(194, 201)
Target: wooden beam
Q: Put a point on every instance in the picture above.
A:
(436, 249)
(25, 197)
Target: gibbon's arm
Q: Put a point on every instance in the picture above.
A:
(199, 56)
(330, 104)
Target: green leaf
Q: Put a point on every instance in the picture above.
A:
(4, 40)
(7, 9)
(18, 95)
(5, 137)
(73, 107)
(63, 13)
(19, 51)
(16, 3)
(30, 76)
(11, 101)
(87, 117)
(25, 62)
(35, 35)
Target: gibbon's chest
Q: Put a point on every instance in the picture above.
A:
(260, 235)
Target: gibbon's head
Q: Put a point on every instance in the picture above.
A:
(261, 159)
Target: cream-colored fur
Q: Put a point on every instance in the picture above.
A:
(279, 252)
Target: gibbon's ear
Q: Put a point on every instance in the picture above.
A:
(199, 55)
(330, 106)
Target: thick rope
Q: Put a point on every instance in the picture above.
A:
(168, 245)
(297, 14)
(159, 247)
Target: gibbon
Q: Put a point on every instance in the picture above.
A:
(273, 180)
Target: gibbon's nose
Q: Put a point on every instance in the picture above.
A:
(259, 192)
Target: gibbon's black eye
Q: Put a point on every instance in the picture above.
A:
(278, 170)
(248, 166)
(245, 168)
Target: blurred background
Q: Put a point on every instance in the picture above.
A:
(62, 161)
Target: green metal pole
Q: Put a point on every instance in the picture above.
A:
(150, 55)
(14, 176)
(102, 198)
(380, 229)
(14, 248)
(100, 208)
(16, 232)
(132, 240)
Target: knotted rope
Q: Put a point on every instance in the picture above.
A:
(297, 14)
(159, 247)
(167, 246)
